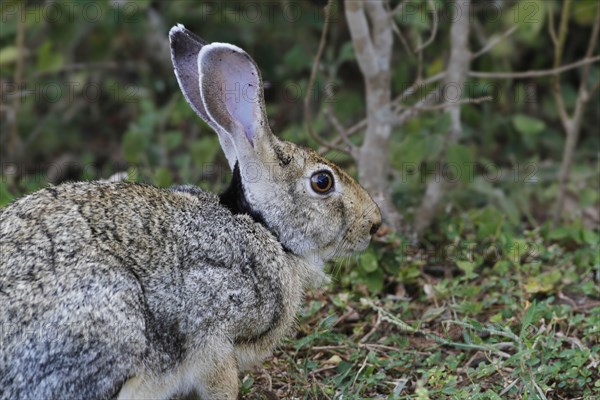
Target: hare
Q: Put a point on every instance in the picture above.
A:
(124, 290)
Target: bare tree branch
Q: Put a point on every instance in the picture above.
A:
(398, 33)
(449, 104)
(418, 84)
(311, 84)
(434, 28)
(419, 59)
(558, 40)
(494, 42)
(551, 29)
(572, 124)
(341, 131)
(361, 37)
(410, 112)
(399, 8)
(397, 107)
(373, 48)
(562, 32)
(396, 29)
(534, 73)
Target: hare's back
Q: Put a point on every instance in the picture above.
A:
(46, 230)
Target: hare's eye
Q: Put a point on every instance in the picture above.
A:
(321, 182)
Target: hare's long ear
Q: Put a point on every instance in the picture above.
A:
(185, 48)
(232, 92)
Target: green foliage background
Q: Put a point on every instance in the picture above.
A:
(98, 96)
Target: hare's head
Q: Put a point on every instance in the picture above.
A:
(314, 208)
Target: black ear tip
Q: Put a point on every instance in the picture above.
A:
(176, 31)
(180, 32)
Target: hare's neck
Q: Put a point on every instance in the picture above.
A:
(235, 200)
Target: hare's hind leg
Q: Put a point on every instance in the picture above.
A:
(76, 339)
(217, 370)
(210, 370)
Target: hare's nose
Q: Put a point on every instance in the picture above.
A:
(375, 227)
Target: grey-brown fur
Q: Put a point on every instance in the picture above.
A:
(125, 290)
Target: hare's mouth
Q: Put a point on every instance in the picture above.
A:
(362, 244)
(346, 248)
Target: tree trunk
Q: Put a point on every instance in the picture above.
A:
(373, 46)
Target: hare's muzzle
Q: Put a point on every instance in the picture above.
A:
(375, 227)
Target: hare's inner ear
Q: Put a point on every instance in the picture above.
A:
(232, 92)
(185, 47)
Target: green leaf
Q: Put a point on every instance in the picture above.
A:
(414, 17)
(5, 196)
(527, 125)
(502, 267)
(488, 222)
(344, 367)
(583, 12)
(564, 232)
(529, 317)
(368, 261)
(352, 104)
(496, 318)
(529, 16)
(133, 174)
(247, 384)
(517, 249)
(162, 177)
(8, 54)
(411, 151)
(48, 58)
(134, 145)
(589, 237)
(173, 139)
(375, 281)
(409, 273)
(443, 122)
(204, 150)
(467, 267)
(346, 53)
(297, 59)
(460, 162)
(434, 67)
(543, 283)
(509, 207)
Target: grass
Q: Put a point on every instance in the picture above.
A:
(520, 324)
